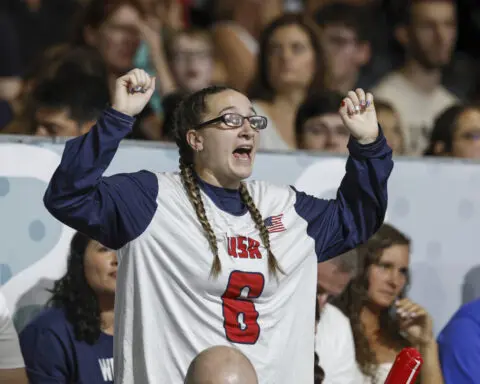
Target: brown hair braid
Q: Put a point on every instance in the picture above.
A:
(195, 198)
(188, 115)
(273, 265)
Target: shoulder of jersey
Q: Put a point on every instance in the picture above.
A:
(261, 191)
(255, 187)
(169, 181)
(266, 193)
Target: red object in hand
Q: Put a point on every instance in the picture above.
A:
(406, 367)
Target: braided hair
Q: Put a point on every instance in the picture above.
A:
(188, 115)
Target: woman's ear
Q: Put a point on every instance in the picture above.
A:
(195, 140)
(439, 149)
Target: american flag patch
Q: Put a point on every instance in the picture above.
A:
(274, 223)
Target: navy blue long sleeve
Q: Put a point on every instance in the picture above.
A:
(112, 210)
(115, 210)
(360, 206)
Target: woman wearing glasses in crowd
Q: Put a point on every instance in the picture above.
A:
(205, 257)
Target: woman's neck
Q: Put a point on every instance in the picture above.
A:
(107, 315)
(210, 178)
(370, 318)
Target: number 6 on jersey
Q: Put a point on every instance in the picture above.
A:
(239, 312)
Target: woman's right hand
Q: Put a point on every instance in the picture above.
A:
(128, 101)
(415, 321)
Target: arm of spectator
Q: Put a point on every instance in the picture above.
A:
(45, 357)
(112, 210)
(13, 376)
(10, 64)
(238, 60)
(359, 209)
(151, 30)
(12, 366)
(459, 345)
(431, 372)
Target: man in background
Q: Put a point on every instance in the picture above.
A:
(345, 40)
(68, 106)
(428, 35)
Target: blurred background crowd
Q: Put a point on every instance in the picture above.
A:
(296, 59)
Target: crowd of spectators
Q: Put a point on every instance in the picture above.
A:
(296, 60)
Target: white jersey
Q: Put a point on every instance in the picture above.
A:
(173, 309)
(168, 308)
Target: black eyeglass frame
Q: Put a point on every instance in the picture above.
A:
(223, 118)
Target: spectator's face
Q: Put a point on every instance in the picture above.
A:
(325, 133)
(118, 39)
(344, 53)
(391, 128)
(332, 280)
(291, 59)
(100, 265)
(217, 155)
(433, 33)
(192, 63)
(466, 139)
(387, 278)
(57, 123)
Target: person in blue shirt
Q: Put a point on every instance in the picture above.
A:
(459, 346)
(71, 341)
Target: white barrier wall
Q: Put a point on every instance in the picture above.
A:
(437, 203)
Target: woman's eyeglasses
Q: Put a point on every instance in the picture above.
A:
(234, 120)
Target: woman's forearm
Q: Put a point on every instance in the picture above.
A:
(431, 372)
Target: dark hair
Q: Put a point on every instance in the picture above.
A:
(403, 9)
(355, 296)
(318, 372)
(95, 13)
(66, 59)
(188, 115)
(73, 294)
(261, 88)
(169, 104)
(355, 17)
(316, 104)
(83, 96)
(444, 128)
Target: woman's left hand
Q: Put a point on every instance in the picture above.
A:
(359, 116)
(415, 322)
